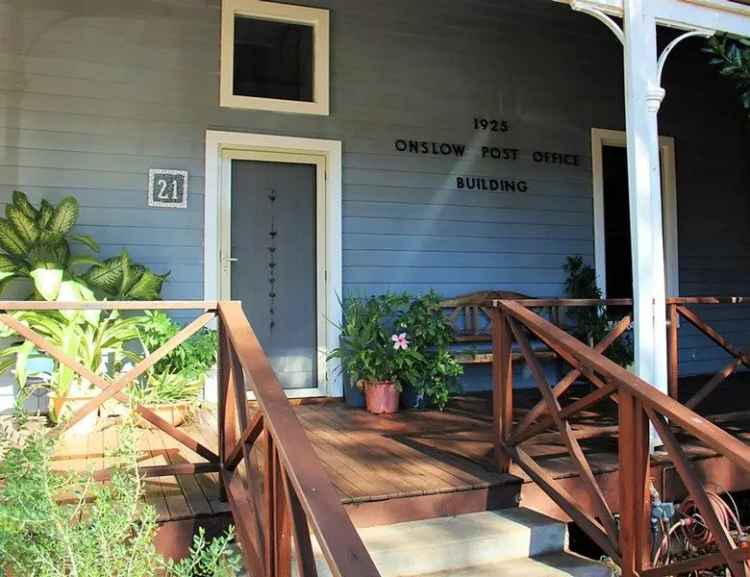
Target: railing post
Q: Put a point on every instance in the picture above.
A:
(222, 382)
(502, 393)
(673, 354)
(635, 498)
(282, 535)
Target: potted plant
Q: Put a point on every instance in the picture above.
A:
(393, 341)
(35, 245)
(97, 342)
(172, 387)
(371, 353)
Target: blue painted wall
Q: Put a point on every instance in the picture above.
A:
(92, 95)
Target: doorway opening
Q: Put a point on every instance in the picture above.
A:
(612, 240)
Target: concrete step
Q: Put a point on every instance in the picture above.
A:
(560, 564)
(453, 543)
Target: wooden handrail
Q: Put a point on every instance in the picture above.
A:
(566, 303)
(107, 305)
(535, 303)
(639, 404)
(311, 498)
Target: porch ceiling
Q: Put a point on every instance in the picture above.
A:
(731, 16)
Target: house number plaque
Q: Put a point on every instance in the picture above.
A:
(167, 188)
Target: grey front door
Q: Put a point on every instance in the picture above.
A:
(274, 270)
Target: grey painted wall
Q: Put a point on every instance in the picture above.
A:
(94, 94)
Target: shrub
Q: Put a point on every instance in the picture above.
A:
(67, 525)
(732, 57)
(180, 375)
(435, 375)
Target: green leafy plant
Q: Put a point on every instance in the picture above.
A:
(592, 324)
(732, 57)
(179, 376)
(366, 350)
(36, 244)
(68, 525)
(38, 238)
(433, 373)
(118, 278)
(89, 338)
(396, 338)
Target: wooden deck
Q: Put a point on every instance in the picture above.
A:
(420, 464)
(416, 464)
(181, 503)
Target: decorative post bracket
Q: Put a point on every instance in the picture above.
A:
(656, 93)
(592, 10)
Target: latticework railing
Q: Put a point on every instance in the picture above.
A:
(625, 539)
(684, 308)
(277, 489)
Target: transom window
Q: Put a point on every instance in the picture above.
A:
(274, 57)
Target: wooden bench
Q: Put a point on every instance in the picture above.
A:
(470, 317)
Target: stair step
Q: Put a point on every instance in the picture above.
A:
(560, 564)
(452, 543)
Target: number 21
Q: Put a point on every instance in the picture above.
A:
(163, 194)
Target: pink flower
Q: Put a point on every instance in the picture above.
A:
(400, 342)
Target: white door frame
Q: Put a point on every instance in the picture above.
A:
(221, 147)
(601, 138)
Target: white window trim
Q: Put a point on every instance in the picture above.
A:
(601, 138)
(317, 18)
(323, 153)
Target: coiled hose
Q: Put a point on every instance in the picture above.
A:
(694, 530)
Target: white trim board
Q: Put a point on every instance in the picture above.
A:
(317, 18)
(327, 155)
(601, 138)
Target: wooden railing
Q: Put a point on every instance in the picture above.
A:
(684, 308)
(277, 489)
(627, 540)
(287, 492)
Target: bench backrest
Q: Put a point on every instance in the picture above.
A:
(470, 314)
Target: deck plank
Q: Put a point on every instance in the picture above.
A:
(433, 473)
(195, 499)
(153, 491)
(176, 502)
(397, 476)
(425, 469)
(341, 463)
(209, 482)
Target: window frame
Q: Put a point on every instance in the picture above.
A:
(317, 18)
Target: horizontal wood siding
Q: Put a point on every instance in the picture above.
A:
(92, 95)
(713, 178)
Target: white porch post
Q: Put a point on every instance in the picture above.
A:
(643, 99)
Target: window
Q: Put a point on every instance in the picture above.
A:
(274, 57)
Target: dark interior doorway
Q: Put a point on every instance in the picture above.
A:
(618, 253)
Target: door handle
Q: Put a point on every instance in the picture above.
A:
(231, 259)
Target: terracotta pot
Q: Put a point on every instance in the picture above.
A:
(175, 414)
(382, 398)
(64, 407)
